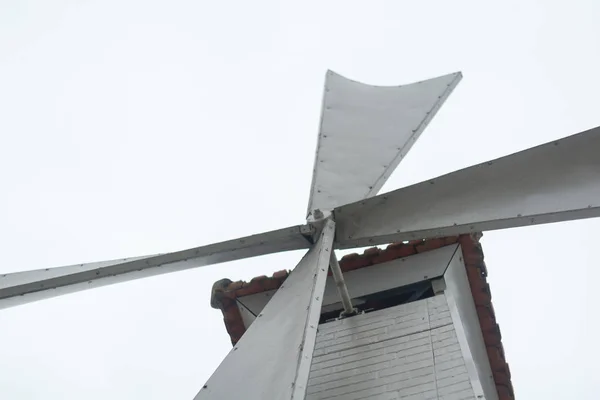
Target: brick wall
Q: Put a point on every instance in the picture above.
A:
(404, 352)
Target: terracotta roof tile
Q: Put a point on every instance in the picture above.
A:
(225, 292)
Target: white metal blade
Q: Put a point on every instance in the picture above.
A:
(273, 358)
(557, 181)
(365, 132)
(24, 287)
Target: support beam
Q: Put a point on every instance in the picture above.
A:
(338, 278)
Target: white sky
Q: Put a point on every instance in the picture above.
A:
(136, 127)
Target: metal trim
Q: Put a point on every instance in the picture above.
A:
(467, 327)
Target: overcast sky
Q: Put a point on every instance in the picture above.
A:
(136, 127)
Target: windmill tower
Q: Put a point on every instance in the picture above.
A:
(316, 337)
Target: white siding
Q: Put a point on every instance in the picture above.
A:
(405, 352)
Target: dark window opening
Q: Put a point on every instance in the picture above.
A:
(386, 299)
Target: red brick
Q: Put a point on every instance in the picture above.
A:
(352, 261)
(505, 392)
(487, 320)
(451, 240)
(501, 378)
(259, 278)
(371, 251)
(492, 336)
(401, 250)
(235, 285)
(270, 284)
(385, 256)
(471, 250)
(281, 274)
(496, 357)
(430, 244)
(254, 286)
(370, 255)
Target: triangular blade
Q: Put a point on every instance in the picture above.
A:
(24, 287)
(557, 181)
(365, 132)
(273, 358)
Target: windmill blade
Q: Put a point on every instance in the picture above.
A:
(365, 132)
(272, 360)
(24, 287)
(557, 181)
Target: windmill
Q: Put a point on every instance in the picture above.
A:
(365, 132)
